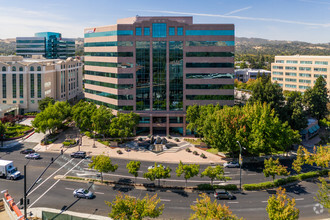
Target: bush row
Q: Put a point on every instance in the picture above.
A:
(283, 181)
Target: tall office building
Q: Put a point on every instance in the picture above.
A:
(48, 44)
(297, 73)
(157, 67)
(24, 81)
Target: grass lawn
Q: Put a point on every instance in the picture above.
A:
(212, 150)
(16, 130)
(193, 141)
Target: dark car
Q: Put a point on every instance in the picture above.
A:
(27, 151)
(223, 194)
(79, 154)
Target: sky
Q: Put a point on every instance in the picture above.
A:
(291, 20)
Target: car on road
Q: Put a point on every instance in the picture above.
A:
(79, 154)
(34, 156)
(83, 193)
(151, 167)
(223, 194)
(27, 151)
(231, 164)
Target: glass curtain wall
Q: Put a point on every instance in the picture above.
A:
(159, 75)
(176, 75)
(142, 75)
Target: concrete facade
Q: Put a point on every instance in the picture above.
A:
(244, 75)
(297, 73)
(24, 82)
(157, 67)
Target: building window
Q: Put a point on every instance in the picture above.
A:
(210, 43)
(4, 69)
(138, 31)
(320, 69)
(304, 81)
(290, 86)
(4, 101)
(176, 75)
(290, 80)
(291, 61)
(21, 69)
(21, 85)
(39, 85)
(290, 68)
(278, 67)
(171, 31)
(279, 61)
(208, 32)
(32, 85)
(278, 73)
(39, 68)
(209, 65)
(277, 79)
(14, 69)
(142, 75)
(4, 86)
(321, 63)
(14, 101)
(318, 75)
(146, 31)
(305, 68)
(159, 30)
(31, 68)
(14, 86)
(21, 102)
(32, 101)
(180, 31)
(291, 74)
(305, 75)
(306, 62)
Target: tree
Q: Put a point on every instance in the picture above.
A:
(299, 161)
(102, 164)
(205, 209)
(101, 118)
(126, 207)
(320, 156)
(158, 172)
(316, 99)
(323, 194)
(133, 168)
(273, 167)
(123, 125)
(82, 113)
(282, 208)
(213, 173)
(189, 170)
(43, 103)
(294, 109)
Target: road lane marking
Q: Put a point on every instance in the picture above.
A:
(299, 199)
(49, 176)
(252, 174)
(101, 193)
(232, 202)
(264, 201)
(165, 200)
(54, 184)
(69, 188)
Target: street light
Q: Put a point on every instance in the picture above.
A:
(240, 165)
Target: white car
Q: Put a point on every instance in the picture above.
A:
(83, 193)
(231, 164)
(34, 156)
(151, 167)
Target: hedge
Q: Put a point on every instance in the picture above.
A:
(231, 187)
(283, 181)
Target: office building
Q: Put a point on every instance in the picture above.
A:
(297, 73)
(244, 75)
(24, 81)
(48, 44)
(157, 67)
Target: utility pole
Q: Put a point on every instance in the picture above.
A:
(240, 165)
(25, 194)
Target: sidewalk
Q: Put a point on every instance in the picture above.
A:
(145, 155)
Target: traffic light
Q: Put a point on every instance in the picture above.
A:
(52, 160)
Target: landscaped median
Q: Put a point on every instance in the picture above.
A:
(283, 181)
(200, 187)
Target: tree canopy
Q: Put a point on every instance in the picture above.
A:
(101, 119)
(123, 125)
(82, 114)
(213, 173)
(133, 168)
(158, 172)
(102, 164)
(43, 103)
(188, 170)
(273, 167)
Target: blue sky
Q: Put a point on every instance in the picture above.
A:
(303, 20)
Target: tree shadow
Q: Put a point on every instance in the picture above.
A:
(297, 189)
(123, 185)
(65, 208)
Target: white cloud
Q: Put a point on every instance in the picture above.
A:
(242, 18)
(238, 10)
(316, 2)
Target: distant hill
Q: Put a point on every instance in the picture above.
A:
(258, 46)
(244, 46)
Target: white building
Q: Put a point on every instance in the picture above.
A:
(245, 74)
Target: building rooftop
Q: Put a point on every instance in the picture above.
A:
(305, 56)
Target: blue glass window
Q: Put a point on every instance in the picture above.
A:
(171, 31)
(146, 31)
(109, 33)
(138, 31)
(159, 30)
(209, 32)
(180, 31)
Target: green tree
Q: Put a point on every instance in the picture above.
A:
(282, 208)
(294, 109)
(101, 119)
(299, 161)
(320, 156)
(126, 207)
(188, 170)
(123, 125)
(82, 114)
(323, 194)
(133, 168)
(205, 209)
(213, 173)
(273, 167)
(43, 103)
(316, 99)
(102, 164)
(158, 172)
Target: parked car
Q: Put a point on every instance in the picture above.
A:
(27, 151)
(34, 156)
(83, 193)
(79, 154)
(231, 164)
(223, 194)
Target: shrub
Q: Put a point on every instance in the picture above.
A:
(177, 139)
(195, 153)
(140, 139)
(119, 152)
(311, 174)
(169, 137)
(203, 156)
(188, 150)
(257, 186)
(88, 134)
(149, 135)
(69, 142)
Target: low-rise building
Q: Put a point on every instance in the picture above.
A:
(27, 81)
(244, 75)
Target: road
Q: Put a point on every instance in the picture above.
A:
(58, 193)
